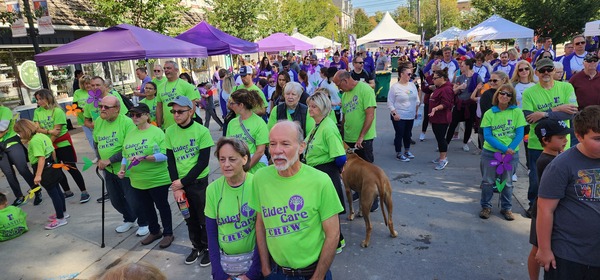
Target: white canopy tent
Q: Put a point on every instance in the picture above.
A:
(322, 43)
(387, 30)
(496, 28)
(304, 38)
(592, 28)
(449, 34)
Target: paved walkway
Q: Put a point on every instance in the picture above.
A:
(435, 214)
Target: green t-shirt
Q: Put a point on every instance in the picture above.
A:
(310, 122)
(169, 91)
(146, 174)
(538, 99)
(235, 219)
(160, 82)
(80, 97)
(13, 223)
(186, 144)
(40, 145)
(47, 119)
(293, 209)
(504, 125)
(7, 115)
(110, 137)
(257, 128)
(91, 112)
(257, 89)
(326, 144)
(152, 105)
(354, 104)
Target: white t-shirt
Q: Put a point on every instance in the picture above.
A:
(403, 99)
(577, 62)
(333, 93)
(520, 88)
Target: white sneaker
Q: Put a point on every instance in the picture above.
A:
(142, 231)
(422, 137)
(514, 178)
(466, 148)
(124, 227)
(441, 164)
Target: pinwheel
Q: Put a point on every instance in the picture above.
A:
(73, 110)
(65, 167)
(31, 193)
(94, 97)
(502, 164)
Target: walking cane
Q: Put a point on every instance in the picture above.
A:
(101, 179)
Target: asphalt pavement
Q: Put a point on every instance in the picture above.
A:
(435, 213)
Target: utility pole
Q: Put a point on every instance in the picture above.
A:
(439, 18)
(33, 33)
(419, 13)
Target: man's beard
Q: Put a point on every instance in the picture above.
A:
(288, 162)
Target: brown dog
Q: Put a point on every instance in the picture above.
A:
(368, 180)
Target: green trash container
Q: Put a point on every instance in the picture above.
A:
(382, 86)
(395, 64)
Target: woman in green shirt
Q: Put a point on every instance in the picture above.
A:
(150, 100)
(51, 120)
(80, 98)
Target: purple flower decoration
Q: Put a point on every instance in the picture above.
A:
(502, 162)
(135, 162)
(94, 97)
(311, 69)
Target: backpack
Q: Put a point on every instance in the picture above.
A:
(299, 115)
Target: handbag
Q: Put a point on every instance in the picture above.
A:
(235, 265)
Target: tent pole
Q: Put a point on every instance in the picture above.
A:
(121, 77)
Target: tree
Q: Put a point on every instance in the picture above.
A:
(362, 26)
(449, 14)
(406, 19)
(157, 15)
(238, 18)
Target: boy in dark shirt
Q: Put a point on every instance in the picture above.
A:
(553, 137)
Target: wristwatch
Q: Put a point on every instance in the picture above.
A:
(546, 115)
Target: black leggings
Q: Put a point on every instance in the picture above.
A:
(458, 115)
(17, 156)
(425, 117)
(67, 156)
(439, 130)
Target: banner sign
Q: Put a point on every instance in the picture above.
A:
(44, 19)
(18, 26)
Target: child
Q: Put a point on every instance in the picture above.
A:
(13, 220)
(568, 205)
(553, 137)
(41, 156)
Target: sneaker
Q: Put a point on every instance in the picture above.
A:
(402, 157)
(142, 231)
(53, 217)
(166, 241)
(485, 213)
(375, 205)
(151, 238)
(514, 177)
(508, 215)
(192, 257)
(466, 147)
(69, 194)
(441, 164)
(436, 161)
(355, 196)
(85, 197)
(339, 249)
(56, 223)
(422, 137)
(528, 212)
(19, 201)
(124, 227)
(38, 198)
(103, 198)
(205, 261)
(409, 155)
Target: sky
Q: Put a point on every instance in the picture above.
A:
(372, 6)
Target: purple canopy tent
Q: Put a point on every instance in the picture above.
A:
(216, 41)
(282, 42)
(121, 42)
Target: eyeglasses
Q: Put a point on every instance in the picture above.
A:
(579, 43)
(150, 88)
(523, 69)
(408, 73)
(178, 112)
(105, 107)
(435, 78)
(505, 93)
(135, 115)
(494, 80)
(271, 81)
(359, 62)
(546, 69)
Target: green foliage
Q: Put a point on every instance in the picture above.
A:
(241, 19)
(406, 16)
(157, 15)
(362, 26)
(406, 19)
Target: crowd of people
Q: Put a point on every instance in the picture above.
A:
(285, 123)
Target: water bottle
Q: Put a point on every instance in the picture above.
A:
(156, 149)
(184, 207)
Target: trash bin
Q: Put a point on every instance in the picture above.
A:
(382, 85)
(395, 63)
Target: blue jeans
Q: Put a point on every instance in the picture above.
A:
(146, 200)
(278, 275)
(122, 198)
(532, 191)
(58, 200)
(488, 180)
(403, 129)
(89, 136)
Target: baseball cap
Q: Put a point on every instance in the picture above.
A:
(547, 127)
(544, 62)
(140, 108)
(4, 125)
(245, 70)
(525, 50)
(313, 57)
(463, 58)
(182, 101)
(591, 57)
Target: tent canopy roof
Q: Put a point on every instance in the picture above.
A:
(449, 34)
(216, 41)
(496, 28)
(304, 38)
(592, 28)
(120, 42)
(387, 29)
(323, 43)
(282, 42)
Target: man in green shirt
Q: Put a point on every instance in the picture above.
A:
(248, 84)
(159, 79)
(168, 91)
(109, 134)
(297, 221)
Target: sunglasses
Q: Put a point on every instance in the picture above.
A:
(523, 69)
(178, 112)
(580, 43)
(157, 71)
(505, 93)
(591, 60)
(135, 115)
(105, 107)
(546, 70)
(494, 80)
(359, 62)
